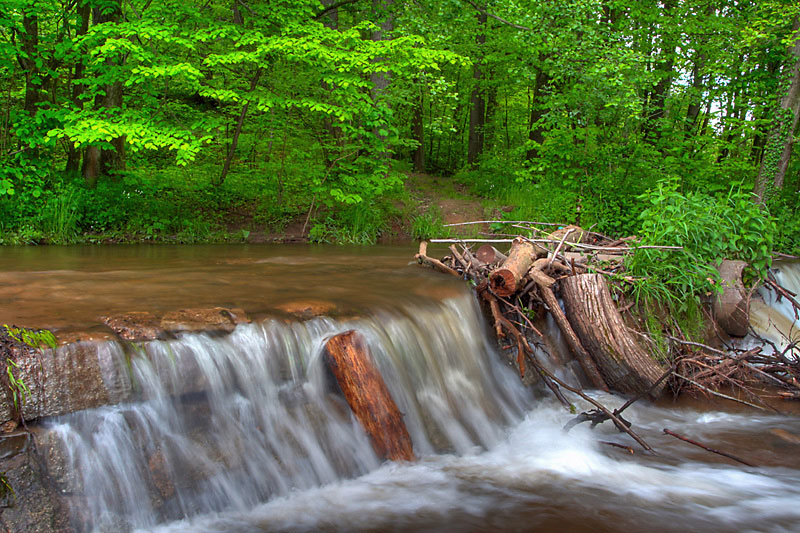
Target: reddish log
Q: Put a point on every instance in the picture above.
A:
(363, 387)
(505, 280)
(593, 315)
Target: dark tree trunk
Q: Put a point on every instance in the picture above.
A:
(239, 124)
(535, 129)
(477, 112)
(30, 44)
(97, 161)
(73, 154)
(658, 97)
(418, 131)
(696, 103)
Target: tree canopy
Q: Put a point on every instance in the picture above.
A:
(568, 110)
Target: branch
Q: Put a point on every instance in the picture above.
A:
(333, 7)
(504, 21)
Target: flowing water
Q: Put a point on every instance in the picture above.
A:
(773, 316)
(265, 443)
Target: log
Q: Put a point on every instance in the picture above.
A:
(732, 307)
(490, 255)
(624, 364)
(363, 387)
(505, 280)
(570, 234)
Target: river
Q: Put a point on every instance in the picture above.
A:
(263, 443)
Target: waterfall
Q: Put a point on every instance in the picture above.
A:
(773, 317)
(228, 422)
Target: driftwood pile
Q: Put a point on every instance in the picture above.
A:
(574, 264)
(570, 262)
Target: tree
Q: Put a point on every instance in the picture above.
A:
(773, 168)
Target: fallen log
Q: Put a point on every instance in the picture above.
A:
(505, 280)
(363, 387)
(593, 315)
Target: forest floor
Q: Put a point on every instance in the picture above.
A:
(442, 198)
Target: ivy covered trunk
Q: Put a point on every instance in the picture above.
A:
(775, 162)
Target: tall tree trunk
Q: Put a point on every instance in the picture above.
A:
(334, 133)
(97, 161)
(760, 137)
(696, 102)
(418, 132)
(731, 114)
(535, 129)
(30, 44)
(380, 80)
(775, 162)
(73, 154)
(658, 98)
(477, 112)
(491, 109)
(239, 124)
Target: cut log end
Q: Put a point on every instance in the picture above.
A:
(366, 393)
(503, 282)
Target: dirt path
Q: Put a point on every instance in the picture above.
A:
(451, 201)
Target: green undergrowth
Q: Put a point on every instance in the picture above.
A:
(706, 229)
(184, 206)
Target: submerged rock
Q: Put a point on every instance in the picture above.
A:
(135, 326)
(210, 320)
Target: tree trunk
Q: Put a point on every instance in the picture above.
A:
(775, 162)
(658, 98)
(490, 255)
(30, 44)
(363, 387)
(73, 154)
(591, 311)
(239, 124)
(732, 307)
(99, 161)
(535, 129)
(418, 133)
(477, 112)
(545, 284)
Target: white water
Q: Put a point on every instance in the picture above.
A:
(260, 442)
(259, 418)
(774, 318)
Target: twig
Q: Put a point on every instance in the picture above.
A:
(501, 222)
(617, 422)
(719, 394)
(558, 248)
(618, 445)
(708, 449)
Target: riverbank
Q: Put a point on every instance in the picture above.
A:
(187, 210)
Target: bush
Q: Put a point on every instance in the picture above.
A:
(709, 230)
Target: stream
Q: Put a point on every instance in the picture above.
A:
(263, 442)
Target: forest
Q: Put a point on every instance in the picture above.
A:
(173, 121)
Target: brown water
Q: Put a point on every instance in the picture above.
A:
(72, 287)
(268, 448)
